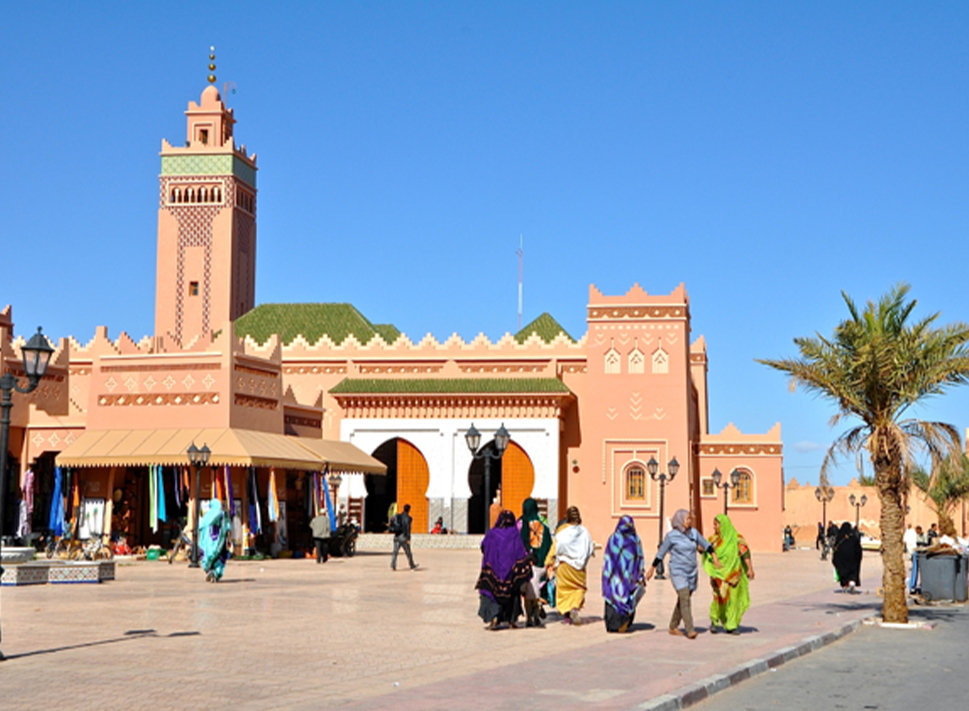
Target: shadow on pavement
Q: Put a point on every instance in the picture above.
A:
(127, 636)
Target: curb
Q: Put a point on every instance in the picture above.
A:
(693, 693)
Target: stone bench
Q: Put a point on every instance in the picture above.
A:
(58, 571)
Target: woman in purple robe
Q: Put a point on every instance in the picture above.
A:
(505, 567)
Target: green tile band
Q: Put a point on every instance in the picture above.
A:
(208, 164)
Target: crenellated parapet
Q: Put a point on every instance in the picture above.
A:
(731, 441)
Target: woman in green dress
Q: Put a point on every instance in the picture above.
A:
(731, 596)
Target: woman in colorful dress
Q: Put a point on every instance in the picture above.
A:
(571, 549)
(682, 544)
(505, 568)
(623, 582)
(537, 539)
(214, 541)
(731, 596)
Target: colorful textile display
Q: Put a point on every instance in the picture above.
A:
(255, 515)
(273, 503)
(326, 498)
(56, 518)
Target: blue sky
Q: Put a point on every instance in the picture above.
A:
(768, 155)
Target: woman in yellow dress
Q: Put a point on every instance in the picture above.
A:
(571, 549)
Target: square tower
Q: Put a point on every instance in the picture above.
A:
(206, 266)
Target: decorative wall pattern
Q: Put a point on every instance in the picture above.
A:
(766, 449)
(168, 399)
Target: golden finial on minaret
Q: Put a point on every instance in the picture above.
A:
(212, 64)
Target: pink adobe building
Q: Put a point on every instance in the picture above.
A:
(295, 389)
(803, 510)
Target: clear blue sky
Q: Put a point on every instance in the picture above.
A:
(766, 154)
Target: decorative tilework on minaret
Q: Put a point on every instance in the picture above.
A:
(206, 264)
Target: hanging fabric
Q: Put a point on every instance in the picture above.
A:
(255, 516)
(216, 486)
(75, 506)
(273, 501)
(55, 522)
(152, 500)
(162, 509)
(25, 523)
(330, 511)
(229, 502)
(175, 489)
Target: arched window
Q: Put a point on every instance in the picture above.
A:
(635, 483)
(637, 362)
(613, 361)
(743, 492)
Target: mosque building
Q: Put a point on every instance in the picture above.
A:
(289, 395)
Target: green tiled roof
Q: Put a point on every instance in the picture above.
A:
(545, 326)
(311, 321)
(389, 386)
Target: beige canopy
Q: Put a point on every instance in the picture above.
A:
(235, 447)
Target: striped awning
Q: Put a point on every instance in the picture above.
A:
(235, 447)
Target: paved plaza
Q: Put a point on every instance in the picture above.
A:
(352, 634)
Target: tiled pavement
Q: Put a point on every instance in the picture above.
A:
(351, 634)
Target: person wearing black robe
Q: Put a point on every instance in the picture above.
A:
(847, 557)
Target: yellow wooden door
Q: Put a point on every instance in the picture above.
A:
(412, 479)
(517, 478)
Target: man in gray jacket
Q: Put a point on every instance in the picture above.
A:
(400, 525)
(320, 526)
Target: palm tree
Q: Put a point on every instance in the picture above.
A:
(875, 366)
(945, 487)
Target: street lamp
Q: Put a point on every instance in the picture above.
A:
(652, 466)
(824, 494)
(199, 458)
(36, 354)
(725, 485)
(473, 438)
(860, 502)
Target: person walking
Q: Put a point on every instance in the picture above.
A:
(400, 526)
(819, 540)
(506, 567)
(731, 596)
(847, 558)
(214, 541)
(623, 576)
(682, 544)
(320, 526)
(571, 549)
(537, 541)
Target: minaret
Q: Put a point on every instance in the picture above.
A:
(206, 269)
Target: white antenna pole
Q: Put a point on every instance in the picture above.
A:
(521, 257)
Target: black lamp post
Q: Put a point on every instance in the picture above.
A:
(726, 485)
(36, 354)
(199, 458)
(857, 504)
(824, 494)
(473, 438)
(652, 466)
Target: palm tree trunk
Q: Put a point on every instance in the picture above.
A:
(892, 523)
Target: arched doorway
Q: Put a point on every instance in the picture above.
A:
(405, 483)
(476, 504)
(518, 478)
(514, 474)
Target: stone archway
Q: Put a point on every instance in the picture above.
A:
(514, 474)
(517, 478)
(405, 483)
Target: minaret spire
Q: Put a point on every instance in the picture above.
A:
(212, 64)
